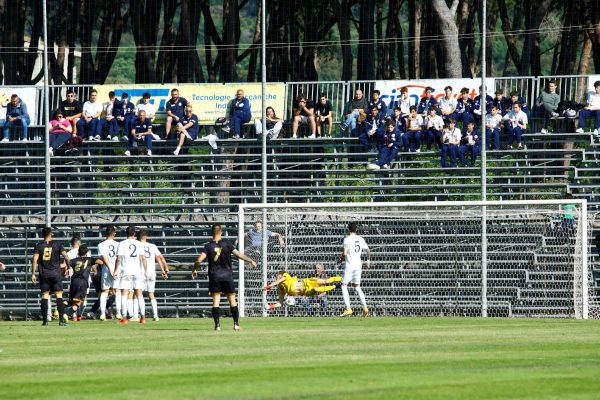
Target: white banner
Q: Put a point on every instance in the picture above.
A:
(27, 96)
(390, 90)
(590, 88)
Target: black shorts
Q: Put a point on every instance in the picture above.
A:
(51, 282)
(220, 286)
(78, 289)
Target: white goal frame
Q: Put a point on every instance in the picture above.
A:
(580, 275)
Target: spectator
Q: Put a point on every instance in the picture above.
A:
(426, 102)
(187, 128)
(399, 120)
(175, 107)
(493, 124)
(377, 102)
(274, 124)
(324, 114)
(447, 105)
(109, 110)
(470, 144)
(477, 106)
(255, 235)
(547, 104)
(515, 97)
(414, 126)
(370, 126)
(146, 106)
(16, 115)
(404, 102)
(502, 103)
(125, 116)
(450, 141)
(592, 109)
(352, 110)
(434, 124)
(141, 131)
(60, 132)
(90, 121)
(304, 113)
(238, 113)
(390, 146)
(72, 110)
(464, 107)
(516, 124)
(319, 301)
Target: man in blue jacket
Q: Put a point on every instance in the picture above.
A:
(16, 115)
(238, 113)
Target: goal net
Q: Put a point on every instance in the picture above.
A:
(426, 258)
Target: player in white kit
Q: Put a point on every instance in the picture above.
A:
(354, 246)
(131, 267)
(107, 251)
(153, 255)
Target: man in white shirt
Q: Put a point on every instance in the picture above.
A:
(132, 267)
(150, 110)
(516, 125)
(448, 104)
(434, 124)
(493, 128)
(108, 118)
(591, 110)
(152, 255)
(90, 119)
(450, 141)
(107, 251)
(354, 246)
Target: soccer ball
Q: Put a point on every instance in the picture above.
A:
(290, 301)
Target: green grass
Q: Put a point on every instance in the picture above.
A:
(300, 358)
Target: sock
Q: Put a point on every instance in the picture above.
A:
(323, 289)
(70, 311)
(61, 308)
(216, 313)
(44, 306)
(346, 296)
(361, 296)
(235, 313)
(142, 303)
(80, 309)
(118, 303)
(103, 298)
(154, 308)
(124, 306)
(131, 303)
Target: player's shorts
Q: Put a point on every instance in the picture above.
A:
(51, 282)
(303, 119)
(351, 276)
(78, 289)
(97, 283)
(150, 284)
(131, 282)
(222, 287)
(309, 285)
(107, 280)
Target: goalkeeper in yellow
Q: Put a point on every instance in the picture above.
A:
(291, 286)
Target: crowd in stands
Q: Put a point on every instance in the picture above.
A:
(449, 124)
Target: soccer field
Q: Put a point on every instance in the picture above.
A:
(301, 358)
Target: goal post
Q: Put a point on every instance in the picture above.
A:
(426, 256)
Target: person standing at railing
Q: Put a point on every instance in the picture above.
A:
(592, 109)
(16, 116)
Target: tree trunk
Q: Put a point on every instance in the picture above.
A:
(570, 39)
(342, 19)
(380, 45)
(86, 24)
(253, 68)
(165, 64)
(366, 47)
(400, 41)
(534, 15)
(595, 22)
(231, 38)
(511, 40)
(144, 25)
(445, 14)
(414, 32)
(210, 33)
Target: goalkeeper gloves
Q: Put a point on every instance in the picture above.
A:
(267, 287)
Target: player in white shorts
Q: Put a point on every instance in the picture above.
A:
(152, 255)
(354, 246)
(107, 250)
(132, 267)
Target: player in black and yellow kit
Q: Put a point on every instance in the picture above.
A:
(220, 276)
(291, 286)
(82, 266)
(47, 257)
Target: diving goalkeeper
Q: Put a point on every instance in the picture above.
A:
(291, 286)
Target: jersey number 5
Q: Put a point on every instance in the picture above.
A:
(357, 246)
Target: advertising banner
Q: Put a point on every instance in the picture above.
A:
(27, 96)
(390, 90)
(208, 99)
